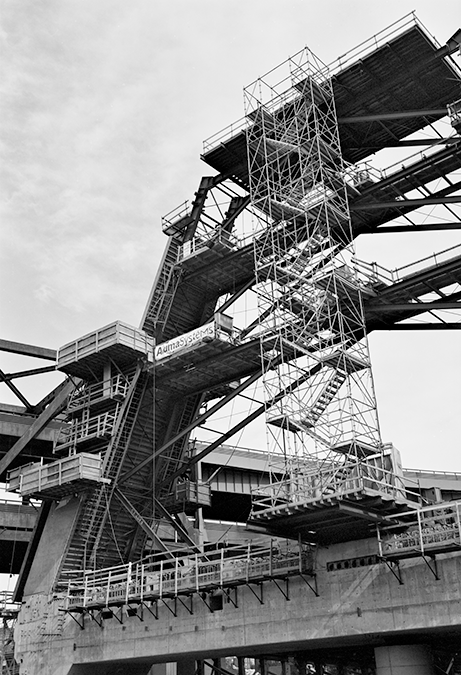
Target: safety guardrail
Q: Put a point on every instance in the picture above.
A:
(7, 606)
(166, 577)
(425, 530)
(349, 57)
(336, 481)
(375, 272)
(86, 395)
(98, 426)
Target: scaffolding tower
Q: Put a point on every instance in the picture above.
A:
(309, 296)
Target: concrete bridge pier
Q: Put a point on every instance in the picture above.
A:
(403, 660)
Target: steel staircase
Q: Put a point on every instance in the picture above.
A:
(156, 315)
(327, 394)
(169, 460)
(95, 509)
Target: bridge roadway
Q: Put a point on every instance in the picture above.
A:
(361, 609)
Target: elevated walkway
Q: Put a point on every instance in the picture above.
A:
(423, 532)
(161, 577)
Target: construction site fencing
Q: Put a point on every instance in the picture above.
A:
(431, 528)
(185, 575)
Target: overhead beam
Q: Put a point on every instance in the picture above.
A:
(356, 119)
(419, 307)
(404, 203)
(28, 350)
(7, 377)
(362, 513)
(53, 409)
(408, 143)
(426, 227)
(420, 326)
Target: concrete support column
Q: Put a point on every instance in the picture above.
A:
(403, 660)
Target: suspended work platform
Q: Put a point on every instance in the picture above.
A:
(117, 341)
(57, 479)
(332, 504)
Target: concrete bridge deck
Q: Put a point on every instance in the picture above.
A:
(362, 607)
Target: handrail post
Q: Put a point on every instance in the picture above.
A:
(248, 561)
(108, 587)
(85, 590)
(142, 583)
(420, 531)
(176, 570)
(128, 582)
(221, 571)
(380, 541)
(458, 521)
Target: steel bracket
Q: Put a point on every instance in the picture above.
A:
(228, 593)
(259, 595)
(394, 567)
(189, 609)
(313, 587)
(431, 562)
(149, 609)
(285, 592)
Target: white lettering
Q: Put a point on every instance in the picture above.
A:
(192, 339)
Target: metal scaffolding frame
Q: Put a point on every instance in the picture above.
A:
(309, 295)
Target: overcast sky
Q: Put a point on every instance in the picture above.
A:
(104, 107)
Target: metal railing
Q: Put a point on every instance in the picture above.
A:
(349, 57)
(38, 478)
(84, 396)
(162, 577)
(376, 272)
(435, 527)
(426, 473)
(336, 481)
(7, 606)
(99, 426)
(208, 240)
